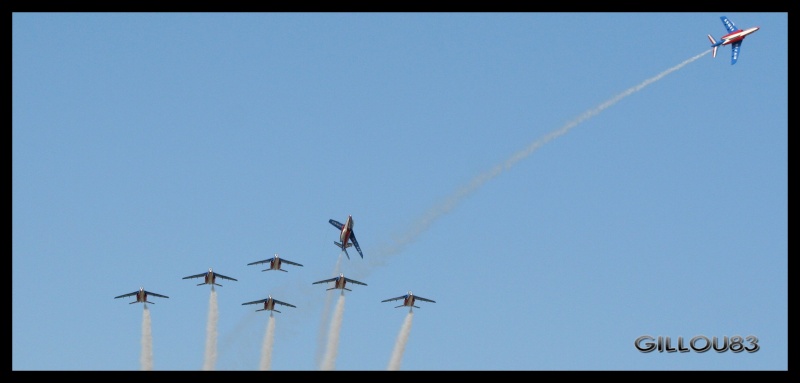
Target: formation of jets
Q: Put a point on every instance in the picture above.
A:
(347, 239)
(733, 38)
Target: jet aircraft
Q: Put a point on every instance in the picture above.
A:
(141, 295)
(275, 263)
(210, 277)
(733, 38)
(408, 300)
(346, 236)
(269, 303)
(340, 282)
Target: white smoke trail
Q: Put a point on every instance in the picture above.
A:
(266, 349)
(325, 315)
(453, 200)
(211, 332)
(333, 338)
(400, 345)
(147, 341)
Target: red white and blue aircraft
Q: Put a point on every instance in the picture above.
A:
(210, 277)
(733, 38)
(346, 236)
(269, 303)
(340, 282)
(275, 263)
(408, 300)
(141, 295)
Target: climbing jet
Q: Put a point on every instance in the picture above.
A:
(346, 236)
(275, 263)
(733, 38)
(141, 296)
(269, 303)
(210, 277)
(408, 300)
(340, 282)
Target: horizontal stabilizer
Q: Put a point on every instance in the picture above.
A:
(339, 245)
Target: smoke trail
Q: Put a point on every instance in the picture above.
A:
(211, 332)
(333, 337)
(269, 340)
(147, 341)
(325, 315)
(400, 346)
(453, 200)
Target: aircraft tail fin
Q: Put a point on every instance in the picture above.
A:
(714, 46)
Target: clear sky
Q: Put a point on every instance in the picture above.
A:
(559, 183)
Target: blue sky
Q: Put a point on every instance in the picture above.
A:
(151, 146)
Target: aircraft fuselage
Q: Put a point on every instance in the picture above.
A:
(344, 236)
(738, 35)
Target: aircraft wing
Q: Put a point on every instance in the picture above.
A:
(735, 51)
(282, 303)
(394, 299)
(254, 302)
(154, 294)
(127, 295)
(257, 262)
(224, 277)
(336, 223)
(354, 281)
(728, 24)
(355, 243)
(284, 260)
(196, 276)
(326, 280)
(423, 299)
